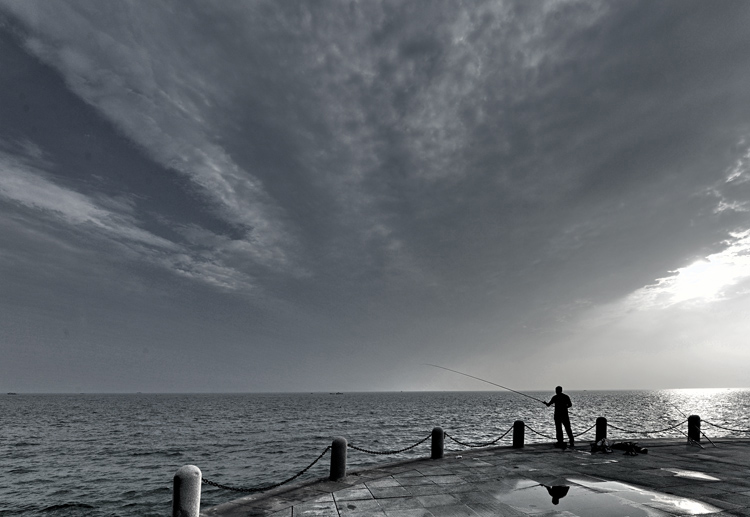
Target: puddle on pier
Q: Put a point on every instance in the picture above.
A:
(595, 498)
(692, 474)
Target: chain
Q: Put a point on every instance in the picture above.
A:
(584, 432)
(646, 432)
(537, 432)
(481, 444)
(268, 487)
(389, 452)
(726, 428)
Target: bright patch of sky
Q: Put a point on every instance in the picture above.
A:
(704, 281)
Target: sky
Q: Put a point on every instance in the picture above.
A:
(292, 196)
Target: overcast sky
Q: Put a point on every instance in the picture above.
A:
(295, 196)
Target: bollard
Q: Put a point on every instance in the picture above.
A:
(694, 428)
(186, 497)
(518, 434)
(338, 458)
(601, 429)
(438, 443)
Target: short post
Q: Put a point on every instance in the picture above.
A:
(601, 429)
(338, 458)
(438, 443)
(186, 496)
(694, 428)
(519, 428)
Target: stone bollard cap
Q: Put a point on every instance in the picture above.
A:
(188, 471)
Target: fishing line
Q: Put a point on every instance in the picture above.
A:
(484, 380)
(678, 409)
(683, 414)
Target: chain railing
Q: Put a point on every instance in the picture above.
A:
(726, 428)
(537, 432)
(584, 432)
(360, 449)
(368, 451)
(629, 431)
(267, 487)
(441, 434)
(477, 445)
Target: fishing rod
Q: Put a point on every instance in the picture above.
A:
(485, 380)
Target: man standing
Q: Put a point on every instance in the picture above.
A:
(562, 403)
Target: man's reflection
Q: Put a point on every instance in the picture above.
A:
(557, 492)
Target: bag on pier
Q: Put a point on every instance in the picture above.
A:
(630, 448)
(602, 445)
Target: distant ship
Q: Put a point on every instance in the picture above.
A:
(12, 393)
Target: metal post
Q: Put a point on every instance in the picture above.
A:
(438, 443)
(694, 428)
(186, 497)
(338, 458)
(519, 428)
(601, 428)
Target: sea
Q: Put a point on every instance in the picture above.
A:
(116, 454)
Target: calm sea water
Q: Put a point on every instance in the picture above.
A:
(105, 455)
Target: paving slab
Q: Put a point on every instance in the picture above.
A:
(673, 479)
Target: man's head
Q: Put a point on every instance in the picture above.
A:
(558, 390)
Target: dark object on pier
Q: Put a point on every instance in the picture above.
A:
(630, 448)
(602, 445)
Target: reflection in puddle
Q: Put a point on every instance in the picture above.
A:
(592, 498)
(557, 492)
(692, 474)
(533, 498)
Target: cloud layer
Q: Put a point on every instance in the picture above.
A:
(376, 182)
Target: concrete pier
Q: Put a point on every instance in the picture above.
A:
(674, 478)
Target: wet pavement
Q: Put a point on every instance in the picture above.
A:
(538, 480)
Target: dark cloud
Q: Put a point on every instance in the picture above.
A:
(366, 183)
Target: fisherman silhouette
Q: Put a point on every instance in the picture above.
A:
(562, 403)
(557, 492)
